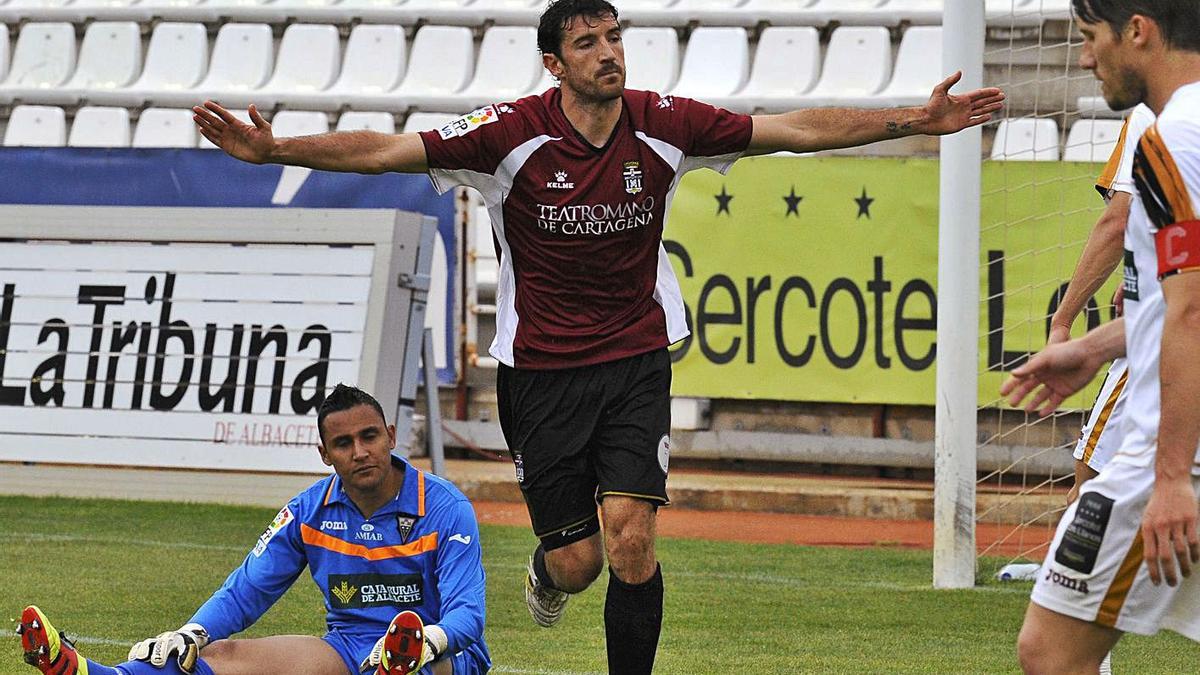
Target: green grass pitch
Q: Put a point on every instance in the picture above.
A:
(116, 572)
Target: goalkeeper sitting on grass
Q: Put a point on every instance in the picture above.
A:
(394, 551)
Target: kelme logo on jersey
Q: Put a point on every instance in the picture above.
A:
(560, 182)
(356, 591)
(633, 177)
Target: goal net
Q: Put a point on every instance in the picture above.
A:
(1038, 205)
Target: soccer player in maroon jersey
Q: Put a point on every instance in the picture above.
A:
(578, 181)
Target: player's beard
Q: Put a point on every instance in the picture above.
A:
(1124, 88)
(595, 90)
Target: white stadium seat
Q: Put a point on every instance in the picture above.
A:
(165, 128)
(1092, 140)
(443, 11)
(36, 125)
(371, 4)
(110, 57)
(309, 58)
(100, 127)
(176, 60)
(786, 64)
(783, 12)
(858, 63)
(1025, 12)
(43, 58)
(423, 121)
(440, 64)
(1095, 106)
(243, 56)
(1026, 139)
(918, 68)
(354, 120)
(651, 58)
(705, 12)
(508, 67)
(35, 4)
(287, 123)
(518, 12)
(91, 4)
(374, 64)
(716, 63)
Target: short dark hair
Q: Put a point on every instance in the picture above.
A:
(559, 14)
(345, 397)
(1179, 20)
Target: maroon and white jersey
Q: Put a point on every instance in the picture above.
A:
(584, 277)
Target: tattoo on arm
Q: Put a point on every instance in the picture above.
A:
(896, 127)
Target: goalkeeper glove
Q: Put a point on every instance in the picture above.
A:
(184, 644)
(406, 647)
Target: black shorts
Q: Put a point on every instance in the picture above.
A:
(577, 435)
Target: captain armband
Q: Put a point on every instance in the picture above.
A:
(1178, 247)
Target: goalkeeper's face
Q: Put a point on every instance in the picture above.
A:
(592, 64)
(359, 448)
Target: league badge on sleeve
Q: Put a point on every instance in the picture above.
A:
(281, 521)
(470, 122)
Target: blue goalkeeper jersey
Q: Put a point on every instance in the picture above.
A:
(419, 552)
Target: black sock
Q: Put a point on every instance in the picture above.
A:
(539, 568)
(632, 622)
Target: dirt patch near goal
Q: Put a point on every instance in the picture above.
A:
(784, 528)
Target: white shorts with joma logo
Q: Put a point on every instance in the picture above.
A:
(1094, 569)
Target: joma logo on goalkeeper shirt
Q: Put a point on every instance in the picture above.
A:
(354, 591)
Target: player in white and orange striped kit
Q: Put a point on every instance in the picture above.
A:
(1135, 525)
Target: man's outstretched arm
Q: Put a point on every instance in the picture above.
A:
(829, 128)
(348, 151)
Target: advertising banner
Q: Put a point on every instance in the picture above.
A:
(815, 279)
(209, 178)
(109, 361)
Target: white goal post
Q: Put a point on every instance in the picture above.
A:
(958, 314)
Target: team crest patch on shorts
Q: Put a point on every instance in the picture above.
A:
(1081, 542)
(470, 122)
(664, 452)
(281, 521)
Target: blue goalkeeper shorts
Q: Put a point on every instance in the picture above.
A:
(354, 648)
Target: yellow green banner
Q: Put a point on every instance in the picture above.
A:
(815, 279)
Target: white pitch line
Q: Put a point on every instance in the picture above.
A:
(86, 639)
(88, 539)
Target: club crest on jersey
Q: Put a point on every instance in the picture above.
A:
(470, 122)
(560, 182)
(633, 177)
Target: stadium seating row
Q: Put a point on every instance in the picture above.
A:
(525, 12)
(109, 127)
(441, 73)
(97, 126)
